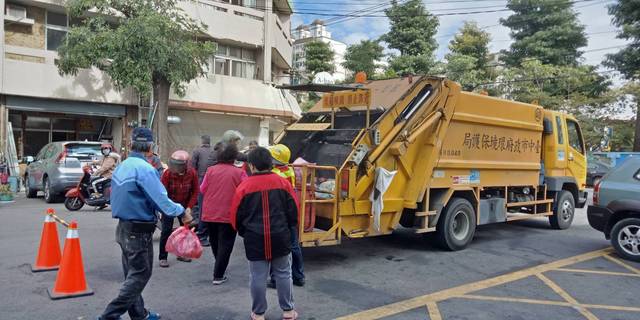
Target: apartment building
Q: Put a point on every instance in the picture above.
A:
(316, 31)
(239, 92)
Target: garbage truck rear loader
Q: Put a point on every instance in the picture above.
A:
(437, 160)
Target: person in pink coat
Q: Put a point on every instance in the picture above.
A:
(217, 188)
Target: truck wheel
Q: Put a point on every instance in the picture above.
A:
(563, 211)
(625, 238)
(457, 225)
(27, 188)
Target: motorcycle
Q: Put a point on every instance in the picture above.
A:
(77, 197)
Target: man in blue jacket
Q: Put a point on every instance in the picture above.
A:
(136, 194)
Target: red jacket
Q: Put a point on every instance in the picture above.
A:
(182, 188)
(217, 188)
(264, 210)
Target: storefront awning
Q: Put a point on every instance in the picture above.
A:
(67, 107)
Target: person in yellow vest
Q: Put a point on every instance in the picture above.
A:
(281, 156)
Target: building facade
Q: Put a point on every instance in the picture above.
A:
(239, 91)
(316, 31)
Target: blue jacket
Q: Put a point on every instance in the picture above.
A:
(136, 192)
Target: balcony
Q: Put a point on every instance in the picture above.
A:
(282, 43)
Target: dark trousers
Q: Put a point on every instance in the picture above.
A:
(297, 263)
(202, 226)
(167, 228)
(135, 240)
(222, 237)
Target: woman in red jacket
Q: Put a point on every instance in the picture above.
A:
(217, 188)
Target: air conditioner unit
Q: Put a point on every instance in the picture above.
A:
(17, 12)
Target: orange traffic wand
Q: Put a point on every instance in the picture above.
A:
(49, 251)
(71, 281)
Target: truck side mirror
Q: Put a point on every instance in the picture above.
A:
(547, 126)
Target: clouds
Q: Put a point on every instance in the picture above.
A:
(593, 15)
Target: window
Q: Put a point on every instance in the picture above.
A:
(559, 129)
(575, 137)
(56, 31)
(235, 62)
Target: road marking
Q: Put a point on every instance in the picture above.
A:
(434, 312)
(520, 300)
(565, 295)
(608, 273)
(628, 267)
(417, 302)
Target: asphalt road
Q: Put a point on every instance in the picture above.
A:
(342, 280)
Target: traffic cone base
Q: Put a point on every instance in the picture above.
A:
(49, 256)
(70, 281)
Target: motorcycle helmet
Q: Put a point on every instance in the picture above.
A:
(105, 149)
(178, 161)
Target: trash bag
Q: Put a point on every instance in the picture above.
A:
(183, 242)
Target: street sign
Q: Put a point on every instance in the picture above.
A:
(346, 99)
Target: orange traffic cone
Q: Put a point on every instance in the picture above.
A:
(70, 281)
(49, 252)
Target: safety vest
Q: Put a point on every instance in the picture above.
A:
(286, 172)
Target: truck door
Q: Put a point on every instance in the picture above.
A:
(575, 152)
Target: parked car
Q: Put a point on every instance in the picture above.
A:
(596, 169)
(58, 167)
(616, 208)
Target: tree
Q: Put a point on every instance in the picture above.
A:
(363, 57)
(626, 15)
(548, 30)
(318, 57)
(468, 61)
(412, 32)
(149, 45)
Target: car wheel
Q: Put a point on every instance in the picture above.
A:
(27, 189)
(625, 238)
(457, 225)
(49, 197)
(564, 211)
(73, 204)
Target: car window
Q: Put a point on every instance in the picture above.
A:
(80, 150)
(43, 151)
(575, 137)
(50, 152)
(559, 129)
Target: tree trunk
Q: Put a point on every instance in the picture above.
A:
(636, 139)
(161, 87)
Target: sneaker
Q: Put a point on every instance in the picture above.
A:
(205, 242)
(257, 316)
(153, 316)
(271, 284)
(290, 315)
(164, 263)
(184, 259)
(219, 281)
(298, 282)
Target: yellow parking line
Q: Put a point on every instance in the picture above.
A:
(434, 312)
(616, 308)
(628, 267)
(521, 300)
(586, 313)
(608, 273)
(417, 302)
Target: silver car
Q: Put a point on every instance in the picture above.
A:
(616, 208)
(58, 168)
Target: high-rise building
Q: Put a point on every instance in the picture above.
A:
(316, 31)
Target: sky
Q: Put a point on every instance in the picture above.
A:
(592, 14)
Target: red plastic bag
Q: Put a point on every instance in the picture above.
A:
(183, 242)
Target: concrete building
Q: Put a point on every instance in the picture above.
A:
(317, 31)
(254, 55)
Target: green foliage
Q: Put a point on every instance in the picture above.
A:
(318, 57)
(468, 61)
(136, 42)
(548, 30)
(626, 15)
(412, 32)
(363, 57)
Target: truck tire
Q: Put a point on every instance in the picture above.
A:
(457, 225)
(30, 193)
(625, 238)
(563, 211)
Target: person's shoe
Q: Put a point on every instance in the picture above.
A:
(153, 316)
(205, 242)
(164, 263)
(184, 259)
(219, 281)
(298, 282)
(271, 284)
(290, 315)
(257, 316)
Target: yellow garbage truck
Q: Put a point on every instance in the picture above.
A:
(436, 160)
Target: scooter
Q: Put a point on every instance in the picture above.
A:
(77, 197)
